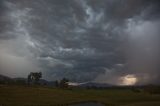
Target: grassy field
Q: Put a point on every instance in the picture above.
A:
(43, 96)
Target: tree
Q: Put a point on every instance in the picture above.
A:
(34, 77)
(37, 76)
(56, 83)
(29, 79)
(64, 83)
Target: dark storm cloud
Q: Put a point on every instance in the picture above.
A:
(3, 21)
(83, 40)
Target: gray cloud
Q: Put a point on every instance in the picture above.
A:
(83, 40)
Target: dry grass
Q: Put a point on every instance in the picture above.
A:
(42, 96)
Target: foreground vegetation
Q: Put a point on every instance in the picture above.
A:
(44, 96)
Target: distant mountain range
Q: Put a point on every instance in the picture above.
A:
(94, 84)
(90, 85)
(4, 78)
(52, 83)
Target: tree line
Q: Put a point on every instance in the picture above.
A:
(34, 79)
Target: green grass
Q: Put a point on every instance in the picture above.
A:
(42, 96)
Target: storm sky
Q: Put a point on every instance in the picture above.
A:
(109, 41)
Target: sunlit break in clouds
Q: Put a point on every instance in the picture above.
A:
(128, 80)
(106, 41)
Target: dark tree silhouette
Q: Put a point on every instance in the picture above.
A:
(64, 83)
(56, 83)
(29, 79)
(33, 77)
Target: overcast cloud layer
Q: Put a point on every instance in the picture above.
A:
(83, 40)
